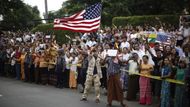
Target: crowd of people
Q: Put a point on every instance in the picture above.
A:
(85, 62)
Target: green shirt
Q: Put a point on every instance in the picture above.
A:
(180, 74)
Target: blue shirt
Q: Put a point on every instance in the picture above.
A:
(113, 68)
(165, 70)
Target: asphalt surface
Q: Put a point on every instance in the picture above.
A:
(14, 93)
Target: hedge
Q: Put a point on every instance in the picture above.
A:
(148, 19)
(48, 29)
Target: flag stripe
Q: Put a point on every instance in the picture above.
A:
(85, 27)
(91, 20)
(77, 29)
(82, 31)
(87, 20)
(80, 25)
(84, 22)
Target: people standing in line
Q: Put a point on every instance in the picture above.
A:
(115, 91)
(68, 59)
(73, 71)
(94, 74)
(104, 68)
(187, 87)
(144, 82)
(36, 67)
(52, 80)
(24, 75)
(156, 84)
(43, 68)
(166, 71)
(18, 63)
(133, 80)
(27, 65)
(2, 61)
(84, 67)
(60, 69)
(32, 66)
(13, 61)
(180, 89)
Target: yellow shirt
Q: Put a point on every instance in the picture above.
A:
(146, 69)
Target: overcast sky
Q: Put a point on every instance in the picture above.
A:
(52, 5)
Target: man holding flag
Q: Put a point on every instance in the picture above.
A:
(87, 21)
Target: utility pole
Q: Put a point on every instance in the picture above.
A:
(46, 11)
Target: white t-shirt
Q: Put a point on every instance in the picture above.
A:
(140, 53)
(26, 38)
(186, 32)
(74, 63)
(125, 57)
(89, 43)
(19, 39)
(125, 44)
(133, 67)
(42, 46)
(132, 36)
(93, 43)
(68, 60)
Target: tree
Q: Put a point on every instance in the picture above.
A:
(155, 7)
(113, 8)
(18, 15)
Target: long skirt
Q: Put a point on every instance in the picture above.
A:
(17, 69)
(44, 75)
(165, 94)
(2, 67)
(145, 91)
(103, 80)
(179, 96)
(66, 74)
(60, 82)
(133, 87)
(157, 87)
(79, 75)
(124, 80)
(37, 75)
(22, 72)
(32, 73)
(72, 80)
(7, 69)
(83, 76)
(114, 89)
(26, 72)
(52, 77)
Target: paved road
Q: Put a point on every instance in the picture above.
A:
(14, 93)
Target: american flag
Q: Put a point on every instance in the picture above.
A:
(86, 21)
(163, 38)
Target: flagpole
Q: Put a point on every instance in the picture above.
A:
(46, 10)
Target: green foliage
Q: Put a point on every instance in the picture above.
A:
(48, 29)
(142, 20)
(116, 8)
(17, 15)
(154, 7)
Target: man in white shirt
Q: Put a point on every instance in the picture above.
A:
(137, 50)
(89, 42)
(19, 39)
(133, 80)
(125, 43)
(186, 31)
(93, 42)
(27, 38)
